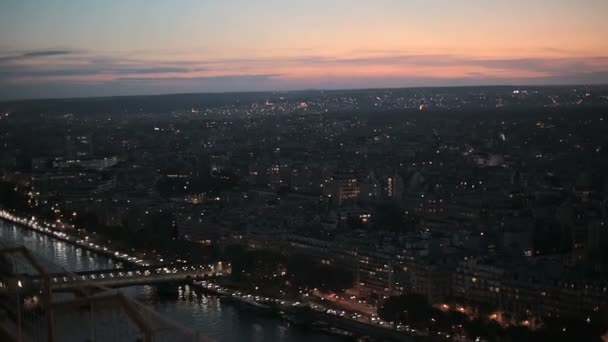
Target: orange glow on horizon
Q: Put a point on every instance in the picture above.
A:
(312, 67)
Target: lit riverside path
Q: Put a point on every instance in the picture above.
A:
(207, 314)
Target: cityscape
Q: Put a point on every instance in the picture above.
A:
(358, 207)
(139, 205)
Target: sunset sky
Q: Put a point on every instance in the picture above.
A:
(53, 48)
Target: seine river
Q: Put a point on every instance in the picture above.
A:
(220, 321)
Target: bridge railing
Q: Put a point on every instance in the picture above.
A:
(37, 314)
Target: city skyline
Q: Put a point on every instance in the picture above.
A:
(74, 49)
(320, 170)
(479, 211)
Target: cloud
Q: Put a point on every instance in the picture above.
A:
(470, 79)
(271, 82)
(141, 86)
(86, 74)
(200, 79)
(123, 66)
(44, 53)
(156, 70)
(547, 65)
(36, 54)
(532, 64)
(56, 72)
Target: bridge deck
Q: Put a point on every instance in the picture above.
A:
(125, 277)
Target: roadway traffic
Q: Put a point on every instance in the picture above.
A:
(69, 234)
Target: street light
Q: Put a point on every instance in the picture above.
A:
(19, 308)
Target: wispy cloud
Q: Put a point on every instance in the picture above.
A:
(44, 53)
(532, 64)
(92, 70)
(36, 54)
(69, 64)
(201, 79)
(56, 72)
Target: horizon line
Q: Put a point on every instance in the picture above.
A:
(2, 101)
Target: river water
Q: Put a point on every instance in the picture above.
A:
(213, 318)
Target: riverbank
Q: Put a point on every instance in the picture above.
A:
(212, 317)
(50, 229)
(310, 316)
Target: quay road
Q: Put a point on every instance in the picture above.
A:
(137, 271)
(67, 235)
(347, 321)
(218, 319)
(339, 317)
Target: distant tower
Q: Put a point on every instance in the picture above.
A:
(394, 187)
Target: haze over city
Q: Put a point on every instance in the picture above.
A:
(64, 48)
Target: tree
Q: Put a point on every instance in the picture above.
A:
(6, 266)
(263, 263)
(257, 264)
(237, 256)
(388, 216)
(309, 274)
(159, 228)
(446, 320)
(409, 308)
(518, 333)
(331, 278)
(88, 220)
(551, 238)
(572, 329)
(13, 199)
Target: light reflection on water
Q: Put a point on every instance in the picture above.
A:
(207, 314)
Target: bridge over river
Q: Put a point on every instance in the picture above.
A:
(131, 313)
(112, 278)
